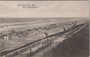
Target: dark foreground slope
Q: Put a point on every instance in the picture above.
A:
(75, 46)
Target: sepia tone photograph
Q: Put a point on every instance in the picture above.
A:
(44, 28)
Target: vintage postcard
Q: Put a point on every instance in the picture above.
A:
(44, 28)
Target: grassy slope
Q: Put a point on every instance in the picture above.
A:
(76, 46)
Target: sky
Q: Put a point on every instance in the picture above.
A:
(10, 9)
